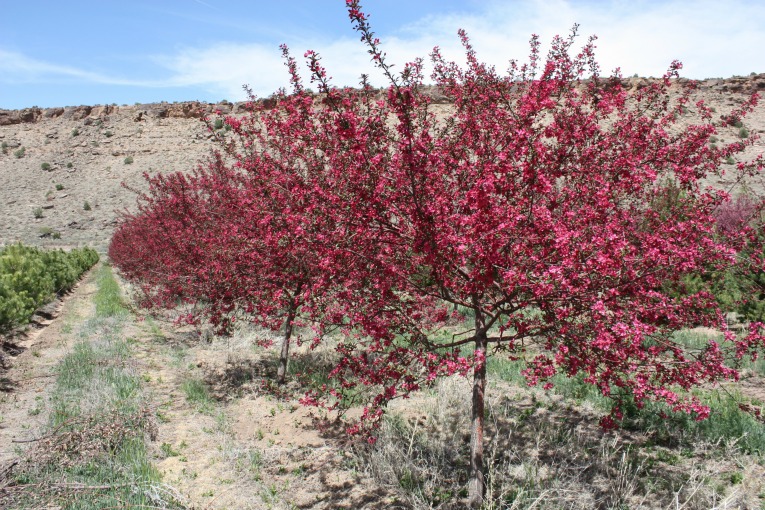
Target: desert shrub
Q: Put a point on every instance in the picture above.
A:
(86, 206)
(129, 160)
(75, 132)
(69, 165)
(20, 153)
(108, 134)
(45, 166)
(743, 133)
(59, 187)
(219, 124)
(38, 212)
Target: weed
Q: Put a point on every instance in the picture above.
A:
(198, 395)
(168, 450)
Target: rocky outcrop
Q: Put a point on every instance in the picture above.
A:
(8, 117)
(197, 109)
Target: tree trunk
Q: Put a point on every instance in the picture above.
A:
(281, 372)
(477, 484)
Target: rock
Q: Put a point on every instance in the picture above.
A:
(9, 117)
(77, 112)
(51, 113)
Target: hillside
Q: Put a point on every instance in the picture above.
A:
(86, 151)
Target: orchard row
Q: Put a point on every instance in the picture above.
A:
(550, 215)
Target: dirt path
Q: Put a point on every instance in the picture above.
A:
(224, 444)
(30, 377)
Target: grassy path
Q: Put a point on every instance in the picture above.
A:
(86, 447)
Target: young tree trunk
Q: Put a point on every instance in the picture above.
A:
(281, 372)
(477, 484)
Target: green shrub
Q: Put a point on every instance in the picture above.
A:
(86, 206)
(219, 124)
(45, 166)
(59, 187)
(129, 160)
(38, 212)
(69, 165)
(108, 134)
(75, 132)
(4, 147)
(30, 276)
(729, 160)
(743, 133)
(24, 284)
(20, 153)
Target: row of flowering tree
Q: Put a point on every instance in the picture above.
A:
(560, 211)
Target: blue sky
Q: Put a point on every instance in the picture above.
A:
(60, 53)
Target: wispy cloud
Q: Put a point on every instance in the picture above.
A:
(17, 68)
(642, 37)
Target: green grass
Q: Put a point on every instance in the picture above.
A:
(726, 423)
(198, 395)
(108, 298)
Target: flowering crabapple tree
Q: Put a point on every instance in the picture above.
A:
(561, 212)
(173, 248)
(558, 209)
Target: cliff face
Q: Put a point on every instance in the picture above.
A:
(61, 169)
(186, 110)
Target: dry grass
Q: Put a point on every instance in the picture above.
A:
(546, 453)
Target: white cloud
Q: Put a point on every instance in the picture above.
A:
(712, 39)
(640, 37)
(18, 68)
